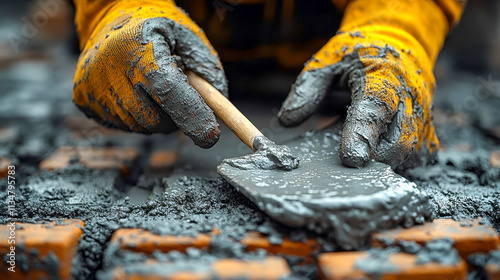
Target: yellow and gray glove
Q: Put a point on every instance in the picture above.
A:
(130, 72)
(384, 53)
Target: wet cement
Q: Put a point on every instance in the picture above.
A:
(268, 156)
(325, 196)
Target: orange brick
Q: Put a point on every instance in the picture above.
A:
(255, 241)
(495, 159)
(57, 239)
(8, 134)
(270, 268)
(92, 157)
(342, 266)
(450, 118)
(267, 269)
(4, 167)
(162, 160)
(493, 271)
(476, 238)
(140, 240)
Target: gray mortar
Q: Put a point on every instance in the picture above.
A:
(478, 263)
(267, 156)
(327, 197)
(438, 251)
(197, 208)
(376, 263)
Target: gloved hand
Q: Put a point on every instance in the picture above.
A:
(130, 73)
(385, 55)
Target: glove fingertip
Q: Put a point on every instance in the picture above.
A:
(286, 118)
(303, 99)
(354, 151)
(207, 137)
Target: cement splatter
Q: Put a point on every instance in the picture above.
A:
(376, 262)
(267, 156)
(438, 251)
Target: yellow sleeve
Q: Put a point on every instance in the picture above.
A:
(452, 9)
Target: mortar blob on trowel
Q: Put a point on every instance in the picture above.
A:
(268, 155)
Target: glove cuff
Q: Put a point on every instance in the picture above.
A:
(89, 13)
(453, 9)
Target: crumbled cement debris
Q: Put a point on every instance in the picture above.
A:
(376, 261)
(479, 262)
(439, 251)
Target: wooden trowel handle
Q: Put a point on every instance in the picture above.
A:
(225, 110)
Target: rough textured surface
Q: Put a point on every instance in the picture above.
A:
(385, 264)
(267, 156)
(41, 251)
(271, 268)
(327, 197)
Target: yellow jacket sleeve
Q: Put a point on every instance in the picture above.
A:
(452, 9)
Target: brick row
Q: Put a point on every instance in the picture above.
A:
(144, 241)
(162, 161)
(268, 269)
(4, 166)
(119, 158)
(139, 240)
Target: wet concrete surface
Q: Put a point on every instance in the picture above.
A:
(325, 196)
(35, 108)
(267, 156)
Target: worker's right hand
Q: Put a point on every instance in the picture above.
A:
(385, 57)
(130, 73)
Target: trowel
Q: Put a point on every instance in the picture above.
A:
(320, 194)
(267, 154)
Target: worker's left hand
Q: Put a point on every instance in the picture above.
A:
(130, 74)
(387, 65)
